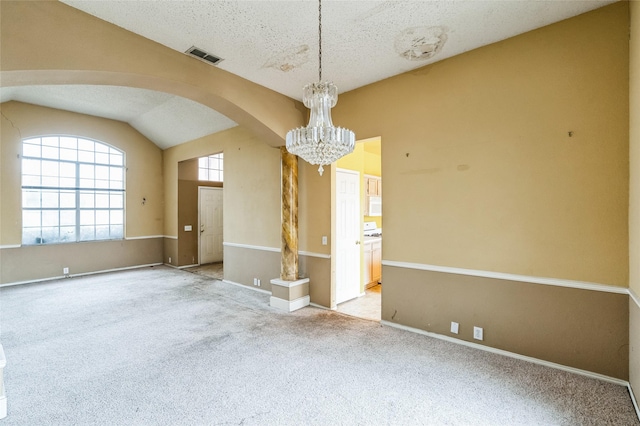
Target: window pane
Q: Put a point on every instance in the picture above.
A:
(67, 142)
(102, 217)
(117, 231)
(49, 168)
(116, 200)
(102, 200)
(86, 145)
(50, 181)
(50, 199)
(86, 200)
(87, 183)
(67, 234)
(30, 180)
(116, 160)
(50, 235)
(67, 182)
(100, 147)
(31, 167)
(203, 162)
(102, 172)
(30, 150)
(85, 157)
(50, 141)
(87, 217)
(67, 199)
(102, 158)
(68, 170)
(102, 232)
(102, 184)
(87, 171)
(50, 218)
(31, 236)
(31, 218)
(116, 217)
(87, 233)
(203, 174)
(69, 154)
(50, 152)
(115, 173)
(30, 198)
(67, 218)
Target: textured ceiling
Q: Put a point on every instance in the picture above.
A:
(275, 44)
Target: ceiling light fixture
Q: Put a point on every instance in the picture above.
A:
(320, 142)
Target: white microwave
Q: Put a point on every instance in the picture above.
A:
(375, 206)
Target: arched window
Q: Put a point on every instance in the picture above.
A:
(72, 190)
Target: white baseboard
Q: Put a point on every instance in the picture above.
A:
(289, 305)
(634, 400)
(82, 274)
(259, 290)
(510, 354)
(315, 305)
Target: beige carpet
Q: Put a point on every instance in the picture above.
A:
(160, 346)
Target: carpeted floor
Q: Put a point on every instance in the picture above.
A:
(160, 346)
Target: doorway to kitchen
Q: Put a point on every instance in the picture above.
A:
(366, 161)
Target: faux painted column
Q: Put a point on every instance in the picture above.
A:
(289, 263)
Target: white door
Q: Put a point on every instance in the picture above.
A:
(347, 235)
(210, 218)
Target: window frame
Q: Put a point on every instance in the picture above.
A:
(98, 176)
(210, 169)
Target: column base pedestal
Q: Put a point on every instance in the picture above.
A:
(289, 296)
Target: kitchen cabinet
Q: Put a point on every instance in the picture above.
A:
(373, 195)
(373, 186)
(372, 261)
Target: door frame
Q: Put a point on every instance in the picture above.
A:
(334, 230)
(200, 187)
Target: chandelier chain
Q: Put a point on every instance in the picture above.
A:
(320, 40)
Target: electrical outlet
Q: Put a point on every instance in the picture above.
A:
(259, 282)
(324, 240)
(65, 271)
(477, 333)
(454, 327)
(169, 259)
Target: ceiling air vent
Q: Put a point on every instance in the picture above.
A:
(202, 55)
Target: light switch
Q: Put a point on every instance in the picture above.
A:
(324, 240)
(188, 228)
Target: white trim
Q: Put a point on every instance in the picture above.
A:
(311, 254)
(260, 290)
(187, 266)
(511, 277)
(315, 305)
(171, 237)
(634, 296)
(81, 274)
(289, 305)
(275, 250)
(144, 237)
(289, 284)
(509, 354)
(10, 246)
(633, 399)
(248, 246)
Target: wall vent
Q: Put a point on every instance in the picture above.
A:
(202, 55)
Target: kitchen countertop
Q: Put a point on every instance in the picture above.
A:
(372, 239)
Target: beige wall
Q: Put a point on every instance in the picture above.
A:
(479, 169)
(634, 198)
(143, 180)
(579, 328)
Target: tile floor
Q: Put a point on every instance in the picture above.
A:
(367, 306)
(211, 270)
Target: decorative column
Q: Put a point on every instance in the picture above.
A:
(288, 292)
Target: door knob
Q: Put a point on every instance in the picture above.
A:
(357, 242)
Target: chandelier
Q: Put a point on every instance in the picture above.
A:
(320, 143)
